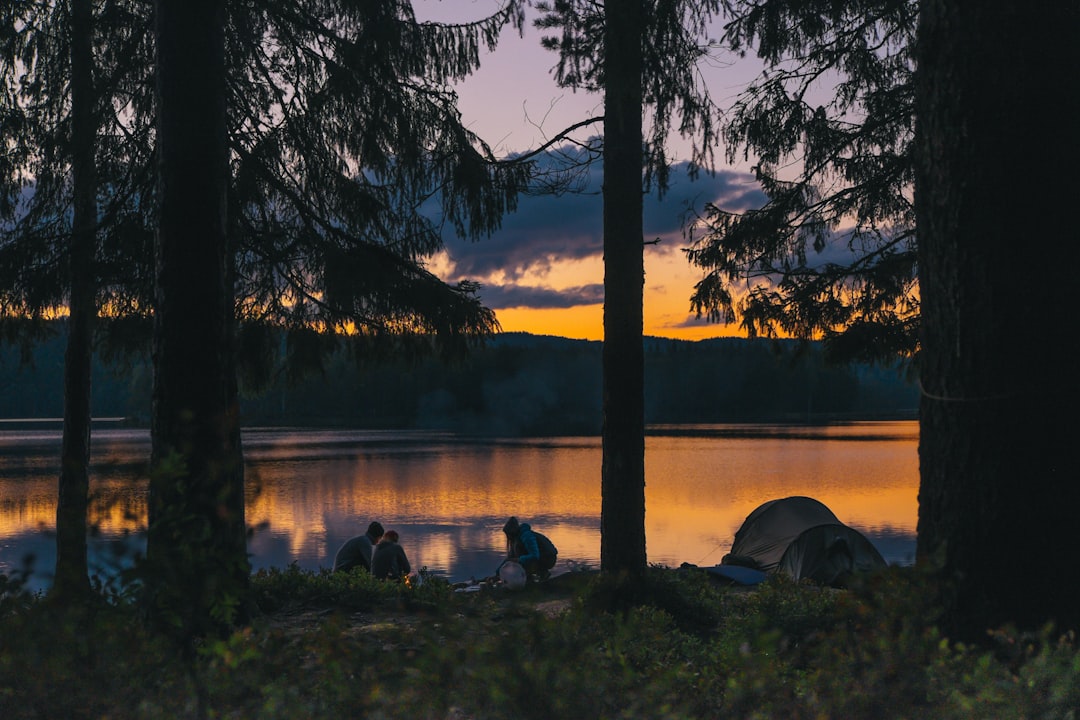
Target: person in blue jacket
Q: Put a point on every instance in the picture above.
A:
(536, 553)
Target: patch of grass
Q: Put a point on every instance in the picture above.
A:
(291, 588)
(677, 646)
(690, 599)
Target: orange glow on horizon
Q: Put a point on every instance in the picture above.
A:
(586, 322)
(666, 311)
(669, 283)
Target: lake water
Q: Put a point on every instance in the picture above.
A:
(310, 490)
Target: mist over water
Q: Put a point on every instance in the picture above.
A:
(448, 496)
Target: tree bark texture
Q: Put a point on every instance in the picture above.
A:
(72, 577)
(622, 539)
(998, 107)
(196, 547)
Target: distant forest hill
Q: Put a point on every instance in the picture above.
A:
(517, 384)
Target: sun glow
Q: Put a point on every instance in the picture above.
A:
(669, 281)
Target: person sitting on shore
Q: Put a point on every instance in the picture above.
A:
(536, 553)
(356, 552)
(389, 561)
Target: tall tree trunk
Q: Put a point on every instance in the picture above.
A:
(622, 538)
(998, 107)
(196, 553)
(72, 579)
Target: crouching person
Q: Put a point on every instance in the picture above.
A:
(389, 561)
(357, 551)
(536, 553)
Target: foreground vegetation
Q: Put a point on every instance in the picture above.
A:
(677, 646)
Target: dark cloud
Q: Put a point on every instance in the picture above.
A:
(544, 230)
(501, 297)
(734, 192)
(549, 229)
(693, 321)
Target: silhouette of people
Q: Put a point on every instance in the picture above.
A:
(389, 561)
(536, 553)
(357, 551)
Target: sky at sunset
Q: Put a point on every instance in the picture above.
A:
(543, 271)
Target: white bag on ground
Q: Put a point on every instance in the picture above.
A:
(512, 574)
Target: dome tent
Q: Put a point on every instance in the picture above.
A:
(800, 537)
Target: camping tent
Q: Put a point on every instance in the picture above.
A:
(800, 537)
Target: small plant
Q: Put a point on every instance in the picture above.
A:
(13, 592)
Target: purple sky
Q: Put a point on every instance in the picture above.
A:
(543, 271)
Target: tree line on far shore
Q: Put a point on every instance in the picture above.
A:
(516, 384)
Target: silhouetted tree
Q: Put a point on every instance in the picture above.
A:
(37, 201)
(348, 154)
(66, 241)
(643, 55)
(348, 157)
(998, 100)
(53, 67)
(829, 125)
(197, 567)
(71, 577)
(622, 530)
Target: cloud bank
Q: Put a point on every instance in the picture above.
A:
(520, 265)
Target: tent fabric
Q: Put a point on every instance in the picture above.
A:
(769, 530)
(829, 555)
(737, 575)
(800, 537)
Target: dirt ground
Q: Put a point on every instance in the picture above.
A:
(551, 598)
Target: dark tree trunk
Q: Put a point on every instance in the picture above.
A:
(622, 538)
(72, 578)
(997, 102)
(197, 560)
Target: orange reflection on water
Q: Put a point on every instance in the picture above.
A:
(700, 490)
(116, 507)
(309, 491)
(453, 495)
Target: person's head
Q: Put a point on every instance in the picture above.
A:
(374, 531)
(390, 536)
(512, 529)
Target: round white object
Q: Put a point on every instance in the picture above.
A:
(512, 575)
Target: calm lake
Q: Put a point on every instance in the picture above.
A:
(448, 496)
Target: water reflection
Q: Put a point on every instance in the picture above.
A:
(309, 491)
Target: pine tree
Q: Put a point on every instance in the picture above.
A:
(196, 567)
(829, 125)
(643, 55)
(343, 130)
(998, 107)
(50, 250)
(349, 158)
(345, 156)
(71, 576)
